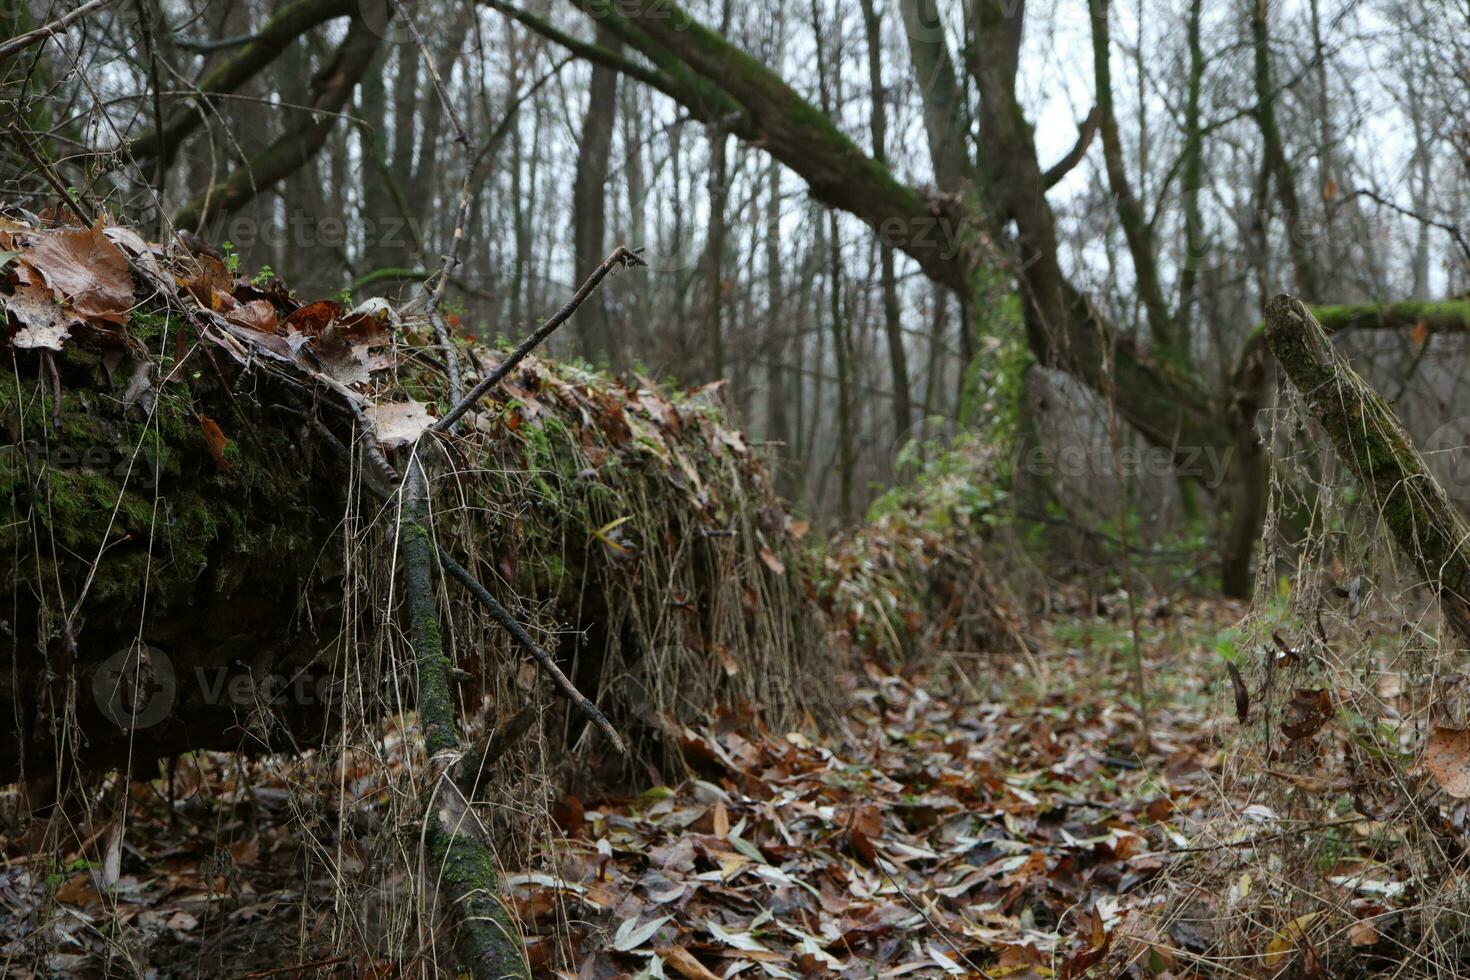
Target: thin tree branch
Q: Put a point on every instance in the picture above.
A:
(1074, 156)
(621, 258)
(523, 639)
(1452, 228)
(58, 26)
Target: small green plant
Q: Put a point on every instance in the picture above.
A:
(264, 276)
(232, 258)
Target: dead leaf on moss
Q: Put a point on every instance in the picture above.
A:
(399, 423)
(208, 279)
(44, 323)
(215, 440)
(313, 318)
(258, 314)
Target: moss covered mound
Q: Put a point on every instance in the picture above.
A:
(196, 559)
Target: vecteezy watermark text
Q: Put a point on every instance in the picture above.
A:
(137, 688)
(1209, 465)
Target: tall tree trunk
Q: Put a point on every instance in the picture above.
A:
(380, 210)
(898, 368)
(1283, 177)
(841, 350)
(718, 186)
(589, 201)
(1136, 229)
(426, 162)
(637, 186)
(778, 331)
(1191, 174)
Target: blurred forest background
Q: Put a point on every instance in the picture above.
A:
(883, 221)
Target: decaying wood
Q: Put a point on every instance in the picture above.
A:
(1368, 435)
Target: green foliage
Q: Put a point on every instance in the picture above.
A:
(265, 275)
(991, 393)
(941, 485)
(232, 259)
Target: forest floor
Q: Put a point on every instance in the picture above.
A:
(979, 818)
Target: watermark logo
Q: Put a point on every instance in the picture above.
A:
(140, 470)
(1447, 454)
(136, 687)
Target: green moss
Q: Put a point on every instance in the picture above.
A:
(87, 470)
(1444, 316)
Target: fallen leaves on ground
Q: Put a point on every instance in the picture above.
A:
(940, 835)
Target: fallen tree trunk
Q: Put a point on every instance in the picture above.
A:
(193, 563)
(1368, 436)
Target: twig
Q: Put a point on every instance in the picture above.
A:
(499, 742)
(58, 26)
(621, 257)
(1447, 226)
(221, 44)
(543, 659)
(284, 971)
(451, 256)
(49, 172)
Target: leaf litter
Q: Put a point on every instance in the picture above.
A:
(941, 831)
(937, 834)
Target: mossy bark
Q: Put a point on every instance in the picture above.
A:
(462, 868)
(1367, 434)
(1248, 391)
(118, 526)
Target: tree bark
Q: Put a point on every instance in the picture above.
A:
(1191, 178)
(589, 199)
(1136, 231)
(1429, 529)
(1276, 162)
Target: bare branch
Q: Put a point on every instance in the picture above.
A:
(58, 26)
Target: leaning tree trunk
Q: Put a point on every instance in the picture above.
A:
(1367, 434)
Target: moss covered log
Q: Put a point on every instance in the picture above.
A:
(118, 522)
(1368, 436)
(630, 520)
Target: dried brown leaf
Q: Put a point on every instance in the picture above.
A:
(83, 266)
(1447, 758)
(43, 321)
(1307, 712)
(215, 440)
